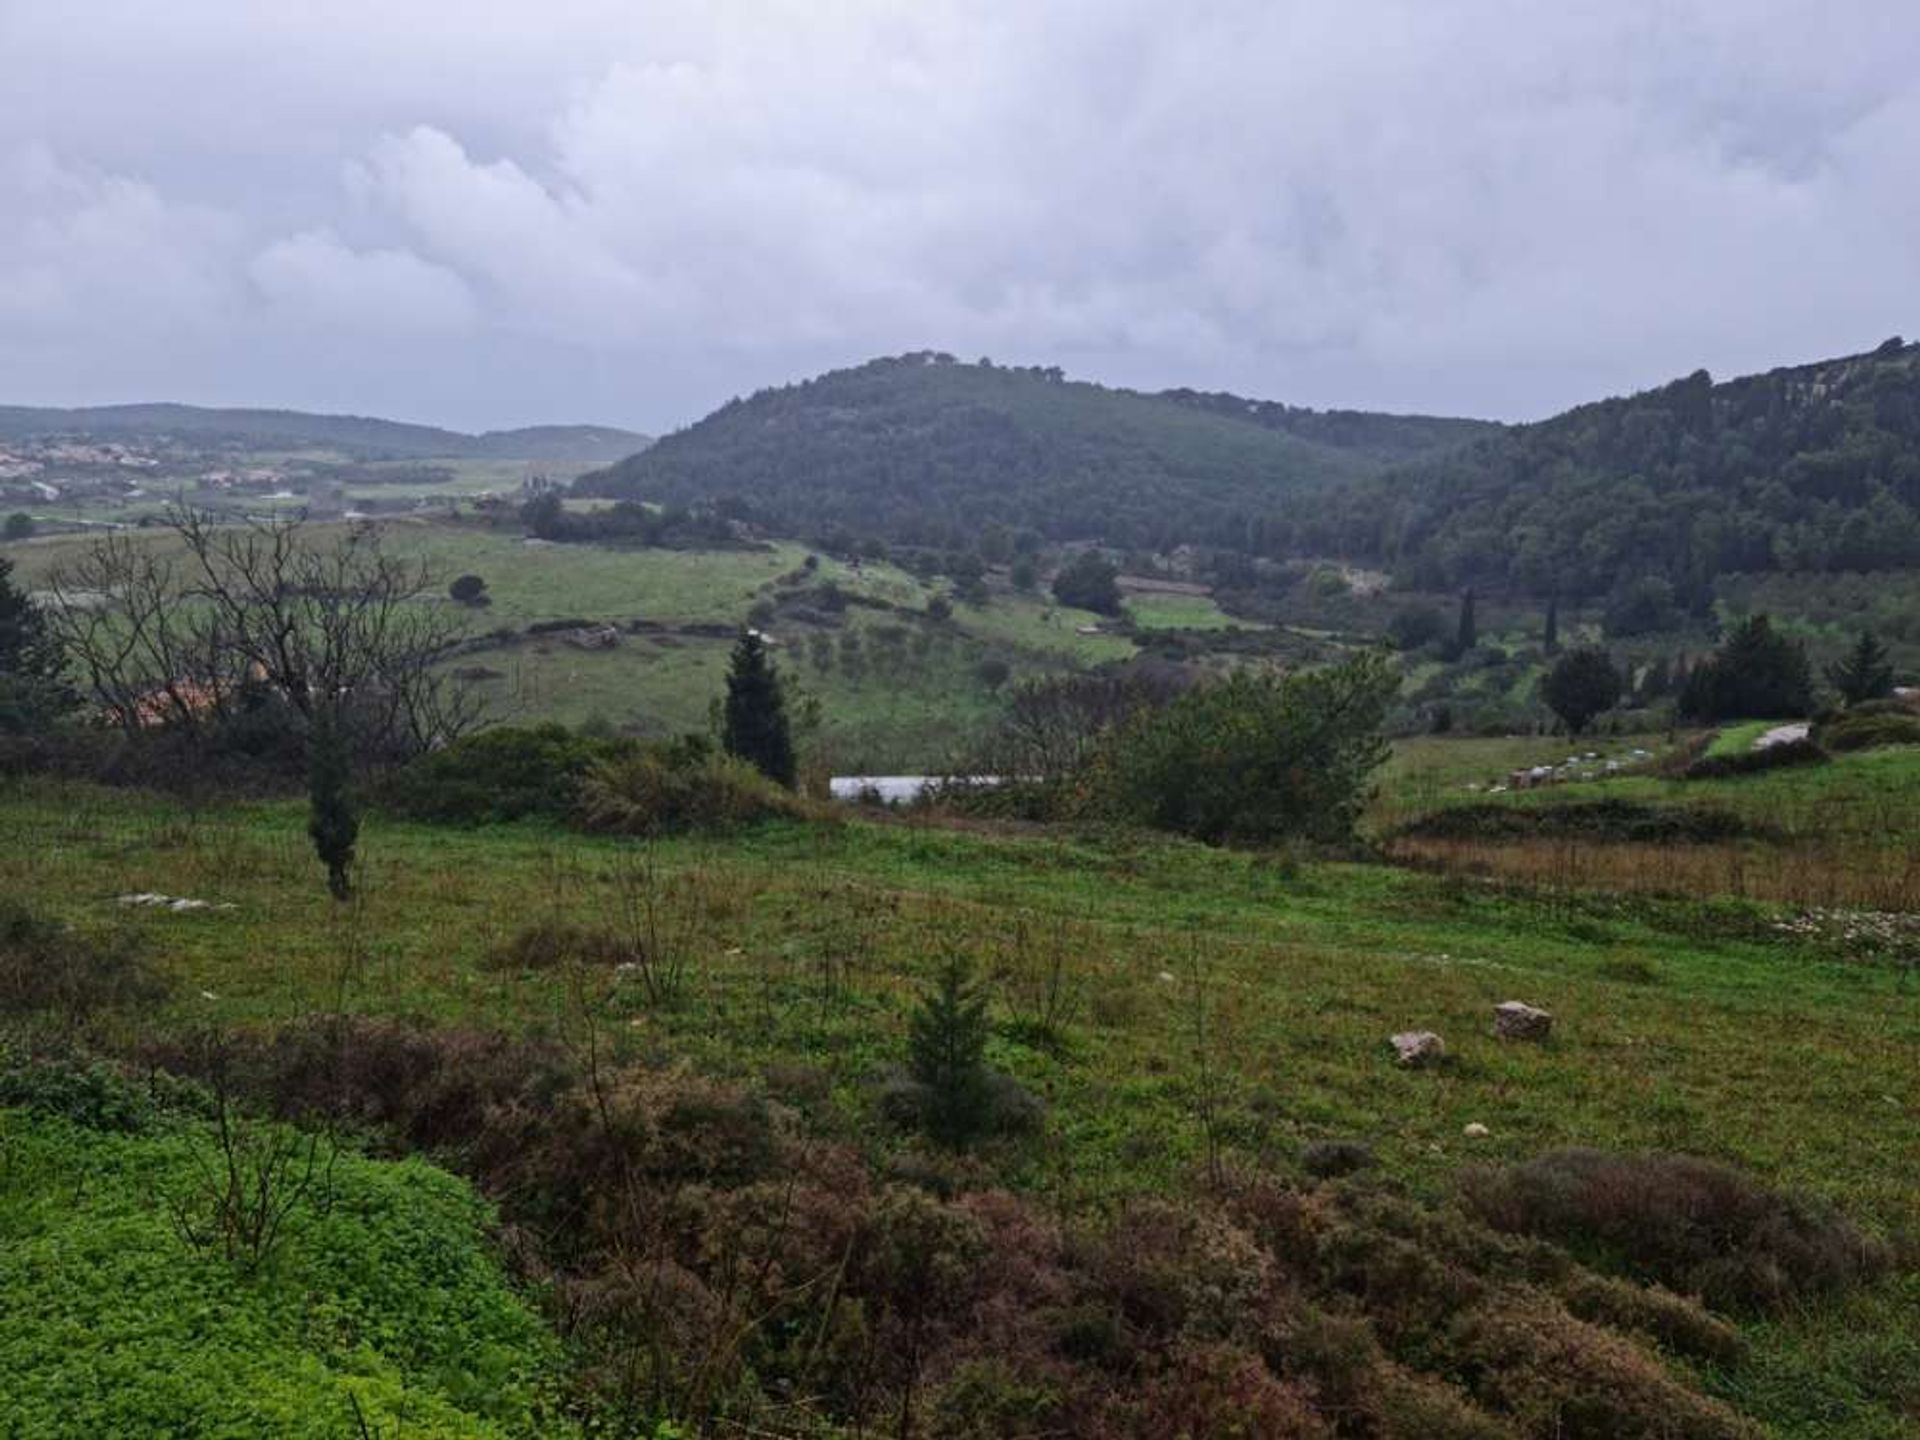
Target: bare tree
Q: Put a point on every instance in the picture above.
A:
(184, 630)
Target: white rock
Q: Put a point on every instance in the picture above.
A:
(1516, 1020)
(1417, 1049)
(1476, 1131)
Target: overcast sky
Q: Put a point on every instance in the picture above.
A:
(486, 214)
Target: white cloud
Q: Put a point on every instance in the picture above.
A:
(1481, 206)
(314, 279)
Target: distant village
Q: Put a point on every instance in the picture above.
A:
(69, 483)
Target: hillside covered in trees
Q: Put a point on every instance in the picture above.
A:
(924, 450)
(1809, 469)
(1813, 468)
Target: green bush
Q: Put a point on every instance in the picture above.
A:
(1255, 757)
(667, 788)
(1610, 820)
(1861, 731)
(504, 774)
(1785, 756)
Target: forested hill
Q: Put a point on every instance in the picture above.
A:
(358, 435)
(1390, 438)
(1809, 468)
(922, 449)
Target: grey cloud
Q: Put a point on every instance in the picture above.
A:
(486, 215)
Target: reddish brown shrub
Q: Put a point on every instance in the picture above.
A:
(1559, 1377)
(1698, 1226)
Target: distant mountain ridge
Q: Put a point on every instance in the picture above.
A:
(365, 437)
(923, 449)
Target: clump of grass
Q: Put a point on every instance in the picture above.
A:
(1611, 820)
(47, 967)
(1698, 1226)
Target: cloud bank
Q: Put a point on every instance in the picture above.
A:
(629, 212)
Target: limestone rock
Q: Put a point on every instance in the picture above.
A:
(1417, 1049)
(1516, 1020)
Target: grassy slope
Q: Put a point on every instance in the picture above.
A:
(1680, 1028)
(389, 1301)
(911, 715)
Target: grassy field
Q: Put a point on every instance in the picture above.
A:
(1845, 833)
(1151, 611)
(911, 699)
(1682, 1025)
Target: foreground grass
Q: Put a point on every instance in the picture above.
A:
(382, 1313)
(801, 950)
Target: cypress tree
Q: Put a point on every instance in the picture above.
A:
(1468, 635)
(1550, 637)
(33, 689)
(330, 818)
(946, 1053)
(755, 725)
(1865, 674)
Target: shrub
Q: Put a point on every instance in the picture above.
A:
(1857, 731)
(1609, 820)
(1328, 1159)
(1700, 1227)
(92, 1094)
(1560, 1376)
(1785, 756)
(545, 944)
(664, 789)
(46, 966)
(470, 590)
(1089, 581)
(498, 775)
(1255, 757)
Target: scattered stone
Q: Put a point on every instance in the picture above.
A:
(152, 900)
(1476, 1131)
(1417, 1049)
(1515, 1020)
(1166, 977)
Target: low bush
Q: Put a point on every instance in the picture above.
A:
(1329, 1159)
(659, 791)
(502, 774)
(1784, 756)
(1612, 820)
(546, 944)
(1861, 731)
(1697, 1226)
(48, 967)
(707, 1262)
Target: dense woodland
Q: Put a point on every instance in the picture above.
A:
(1808, 469)
(923, 450)
(1814, 468)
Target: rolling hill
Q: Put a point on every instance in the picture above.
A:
(360, 436)
(924, 450)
